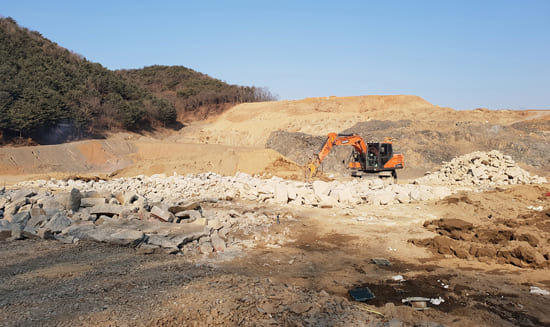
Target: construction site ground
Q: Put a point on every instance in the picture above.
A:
(329, 252)
(305, 280)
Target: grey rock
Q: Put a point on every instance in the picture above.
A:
(206, 248)
(91, 202)
(51, 204)
(45, 233)
(103, 219)
(191, 234)
(16, 233)
(37, 221)
(114, 201)
(129, 198)
(281, 194)
(126, 237)
(162, 214)
(162, 241)
(189, 214)
(194, 205)
(106, 209)
(70, 200)
(58, 223)
(21, 219)
(37, 211)
(217, 243)
(321, 189)
(145, 248)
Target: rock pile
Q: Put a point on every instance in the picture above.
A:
(125, 219)
(169, 213)
(481, 168)
(142, 190)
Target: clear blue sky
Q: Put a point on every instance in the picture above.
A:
(461, 54)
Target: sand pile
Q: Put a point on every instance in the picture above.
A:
(481, 168)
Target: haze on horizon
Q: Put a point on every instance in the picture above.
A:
(464, 55)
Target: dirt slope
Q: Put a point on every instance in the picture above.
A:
(251, 124)
(236, 140)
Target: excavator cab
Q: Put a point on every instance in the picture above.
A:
(378, 154)
(379, 159)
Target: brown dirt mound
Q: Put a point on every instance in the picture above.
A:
(522, 241)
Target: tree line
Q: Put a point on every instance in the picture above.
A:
(43, 85)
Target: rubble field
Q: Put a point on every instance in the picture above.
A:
(208, 249)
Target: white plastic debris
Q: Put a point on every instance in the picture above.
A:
(434, 301)
(437, 301)
(398, 278)
(537, 290)
(539, 208)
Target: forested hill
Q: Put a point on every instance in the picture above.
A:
(43, 84)
(46, 89)
(195, 95)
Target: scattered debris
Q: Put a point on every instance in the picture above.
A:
(421, 303)
(381, 262)
(398, 278)
(361, 294)
(537, 290)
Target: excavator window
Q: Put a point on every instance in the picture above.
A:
(385, 152)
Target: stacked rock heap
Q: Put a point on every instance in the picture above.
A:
(170, 213)
(177, 213)
(481, 168)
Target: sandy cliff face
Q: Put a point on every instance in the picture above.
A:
(251, 124)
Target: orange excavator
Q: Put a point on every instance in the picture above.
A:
(367, 158)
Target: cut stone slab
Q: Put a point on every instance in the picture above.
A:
(217, 243)
(91, 202)
(321, 189)
(145, 248)
(106, 209)
(162, 214)
(188, 214)
(24, 193)
(190, 234)
(70, 200)
(126, 237)
(162, 241)
(52, 204)
(281, 194)
(383, 197)
(195, 205)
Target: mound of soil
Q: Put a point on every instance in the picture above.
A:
(523, 241)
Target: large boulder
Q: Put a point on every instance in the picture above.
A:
(69, 200)
(321, 189)
(281, 194)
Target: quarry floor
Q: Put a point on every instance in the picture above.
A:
(304, 281)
